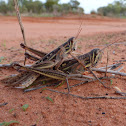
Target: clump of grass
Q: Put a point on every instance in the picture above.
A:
(8, 123)
(1, 58)
(50, 99)
(24, 107)
(60, 84)
(111, 82)
(3, 44)
(11, 110)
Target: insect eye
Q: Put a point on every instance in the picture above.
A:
(71, 41)
(74, 49)
(97, 52)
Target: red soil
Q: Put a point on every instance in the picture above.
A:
(46, 34)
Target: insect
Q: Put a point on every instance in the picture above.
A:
(89, 59)
(68, 66)
(48, 61)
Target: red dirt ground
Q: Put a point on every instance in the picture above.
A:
(46, 34)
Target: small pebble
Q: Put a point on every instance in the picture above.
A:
(103, 112)
(113, 52)
(34, 125)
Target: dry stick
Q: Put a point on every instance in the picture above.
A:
(120, 93)
(109, 71)
(75, 85)
(20, 23)
(77, 96)
(118, 70)
(35, 88)
(113, 66)
(110, 44)
(79, 30)
(113, 44)
(80, 76)
(101, 69)
(68, 87)
(11, 65)
(107, 64)
(3, 104)
(120, 61)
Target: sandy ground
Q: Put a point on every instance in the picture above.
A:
(46, 34)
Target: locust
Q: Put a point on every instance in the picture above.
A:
(71, 66)
(81, 63)
(89, 59)
(48, 61)
(54, 58)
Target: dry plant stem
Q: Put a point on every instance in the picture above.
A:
(101, 78)
(109, 71)
(110, 44)
(113, 66)
(35, 88)
(107, 64)
(9, 65)
(3, 104)
(68, 85)
(6, 66)
(32, 89)
(121, 93)
(119, 69)
(86, 98)
(113, 44)
(79, 30)
(80, 76)
(20, 23)
(120, 61)
(97, 78)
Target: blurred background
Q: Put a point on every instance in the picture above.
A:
(50, 8)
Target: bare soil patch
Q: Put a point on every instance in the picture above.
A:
(46, 34)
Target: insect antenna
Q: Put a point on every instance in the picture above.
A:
(79, 30)
(109, 45)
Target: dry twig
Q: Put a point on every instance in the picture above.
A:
(20, 23)
(3, 104)
(86, 98)
(118, 91)
(109, 71)
(88, 81)
(107, 64)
